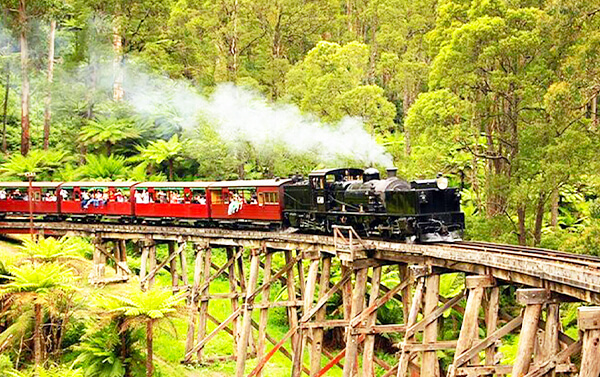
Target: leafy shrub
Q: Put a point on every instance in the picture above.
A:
(5, 364)
(595, 209)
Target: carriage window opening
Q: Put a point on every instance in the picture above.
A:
(120, 195)
(176, 196)
(216, 197)
(47, 195)
(330, 178)
(142, 196)
(199, 196)
(245, 195)
(161, 195)
(268, 198)
(68, 194)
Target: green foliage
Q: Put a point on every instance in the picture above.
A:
(160, 150)
(41, 162)
(329, 80)
(100, 353)
(57, 371)
(38, 279)
(106, 132)
(100, 167)
(50, 249)
(5, 364)
(153, 304)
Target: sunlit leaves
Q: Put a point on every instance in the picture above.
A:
(41, 162)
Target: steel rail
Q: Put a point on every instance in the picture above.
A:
(554, 255)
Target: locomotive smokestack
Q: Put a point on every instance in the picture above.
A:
(391, 172)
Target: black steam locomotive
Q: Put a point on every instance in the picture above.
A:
(424, 210)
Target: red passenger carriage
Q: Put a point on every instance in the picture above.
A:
(96, 198)
(14, 197)
(256, 202)
(185, 200)
(243, 203)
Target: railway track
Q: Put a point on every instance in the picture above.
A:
(527, 251)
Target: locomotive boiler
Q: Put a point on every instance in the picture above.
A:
(426, 210)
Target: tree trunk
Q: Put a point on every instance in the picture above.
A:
(117, 64)
(406, 103)
(233, 45)
(539, 218)
(521, 220)
(554, 208)
(25, 138)
(373, 56)
(170, 169)
(594, 110)
(48, 102)
(349, 15)
(37, 334)
(149, 339)
(108, 149)
(5, 110)
(125, 353)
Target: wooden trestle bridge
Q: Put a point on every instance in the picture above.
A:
(542, 280)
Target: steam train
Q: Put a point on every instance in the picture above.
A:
(424, 210)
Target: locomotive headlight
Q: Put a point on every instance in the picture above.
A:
(442, 182)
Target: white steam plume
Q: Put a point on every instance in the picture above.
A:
(242, 115)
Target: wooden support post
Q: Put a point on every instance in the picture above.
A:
(492, 303)
(173, 268)
(117, 256)
(469, 331)
(589, 323)
(205, 275)
(358, 300)
(242, 284)
(301, 281)
(346, 295)
(183, 263)
(551, 345)
(193, 308)
(243, 345)
(98, 271)
(123, 244)
(369, 347)
(317, 342)
(264, 312)
(102, 264)
(405, 356)
(233, 289)
(144, 261)
(309, 292)
(429, 363)
(292, 311)
(403, 273)
(152, 263)
(534, 299)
